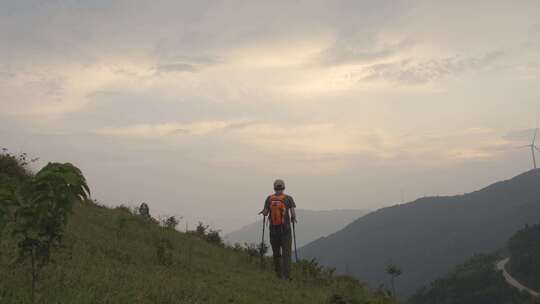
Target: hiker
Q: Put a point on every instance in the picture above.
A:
(279, 207)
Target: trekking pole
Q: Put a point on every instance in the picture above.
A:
(262, 242)
(294, 239)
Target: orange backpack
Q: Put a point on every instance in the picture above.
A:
(277, 209)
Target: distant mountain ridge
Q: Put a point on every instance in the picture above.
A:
(431, 235)
(311, 225)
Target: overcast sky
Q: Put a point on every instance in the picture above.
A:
(197, 106)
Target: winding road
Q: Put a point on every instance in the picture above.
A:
(501, 265)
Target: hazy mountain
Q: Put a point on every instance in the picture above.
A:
(429, 236)
(311, 226)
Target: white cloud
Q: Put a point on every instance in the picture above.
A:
(165, 129)
(425, 71)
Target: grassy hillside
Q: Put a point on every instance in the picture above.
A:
(474, 282)
(312, 225)
(111, 256)
(430, 236)
(114, 256)
(524, 248)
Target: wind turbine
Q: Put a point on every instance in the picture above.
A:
(533, 146)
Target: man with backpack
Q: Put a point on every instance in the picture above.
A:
(279, 207)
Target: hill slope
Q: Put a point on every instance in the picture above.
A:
(112, 256)
(477, 280)
(474, 282)
(524, 248)
(429, 236)
(312, 225)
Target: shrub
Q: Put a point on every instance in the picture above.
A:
(310, 268)
(15, 166)
(123, 208)
(251, 249)
(237, 247)
(213, 237)
(201, 229)
(170, 222)
(144, 211)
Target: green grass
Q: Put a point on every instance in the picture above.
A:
(110, 256)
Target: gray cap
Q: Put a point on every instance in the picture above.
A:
(279, 184)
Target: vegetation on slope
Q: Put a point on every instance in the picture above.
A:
(116, 256)
(474, 282)
(524, 248)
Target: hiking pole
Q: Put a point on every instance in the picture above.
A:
(294, 239)
(262, 242)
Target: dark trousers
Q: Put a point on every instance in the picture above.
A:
(280, 239)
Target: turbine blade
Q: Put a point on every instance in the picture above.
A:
(521, 147)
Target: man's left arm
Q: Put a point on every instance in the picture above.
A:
(266, 207)
(292, 207)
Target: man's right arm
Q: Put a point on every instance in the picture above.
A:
(266, 208)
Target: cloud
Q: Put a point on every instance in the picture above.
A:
(420, 72)
(362, 48)
(176, 67)
(327, 142)
(533, 36)
(314, 138)
(520, 135)
(469, 153)
(186, 64)
(198, 128)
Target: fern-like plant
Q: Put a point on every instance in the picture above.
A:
(42, 206)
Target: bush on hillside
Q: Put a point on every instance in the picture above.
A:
(38, 206)
(15, 166)
(213, 237)
(201, 229)
(251, 249)
(170, 222)
(210, 235)
(124, 208)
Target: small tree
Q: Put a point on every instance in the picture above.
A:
(394, 271)
(13, 171)
(201, 229)
(213, 237)
(171, 222)
(43, 205)
(144, 211)
(252, 249)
